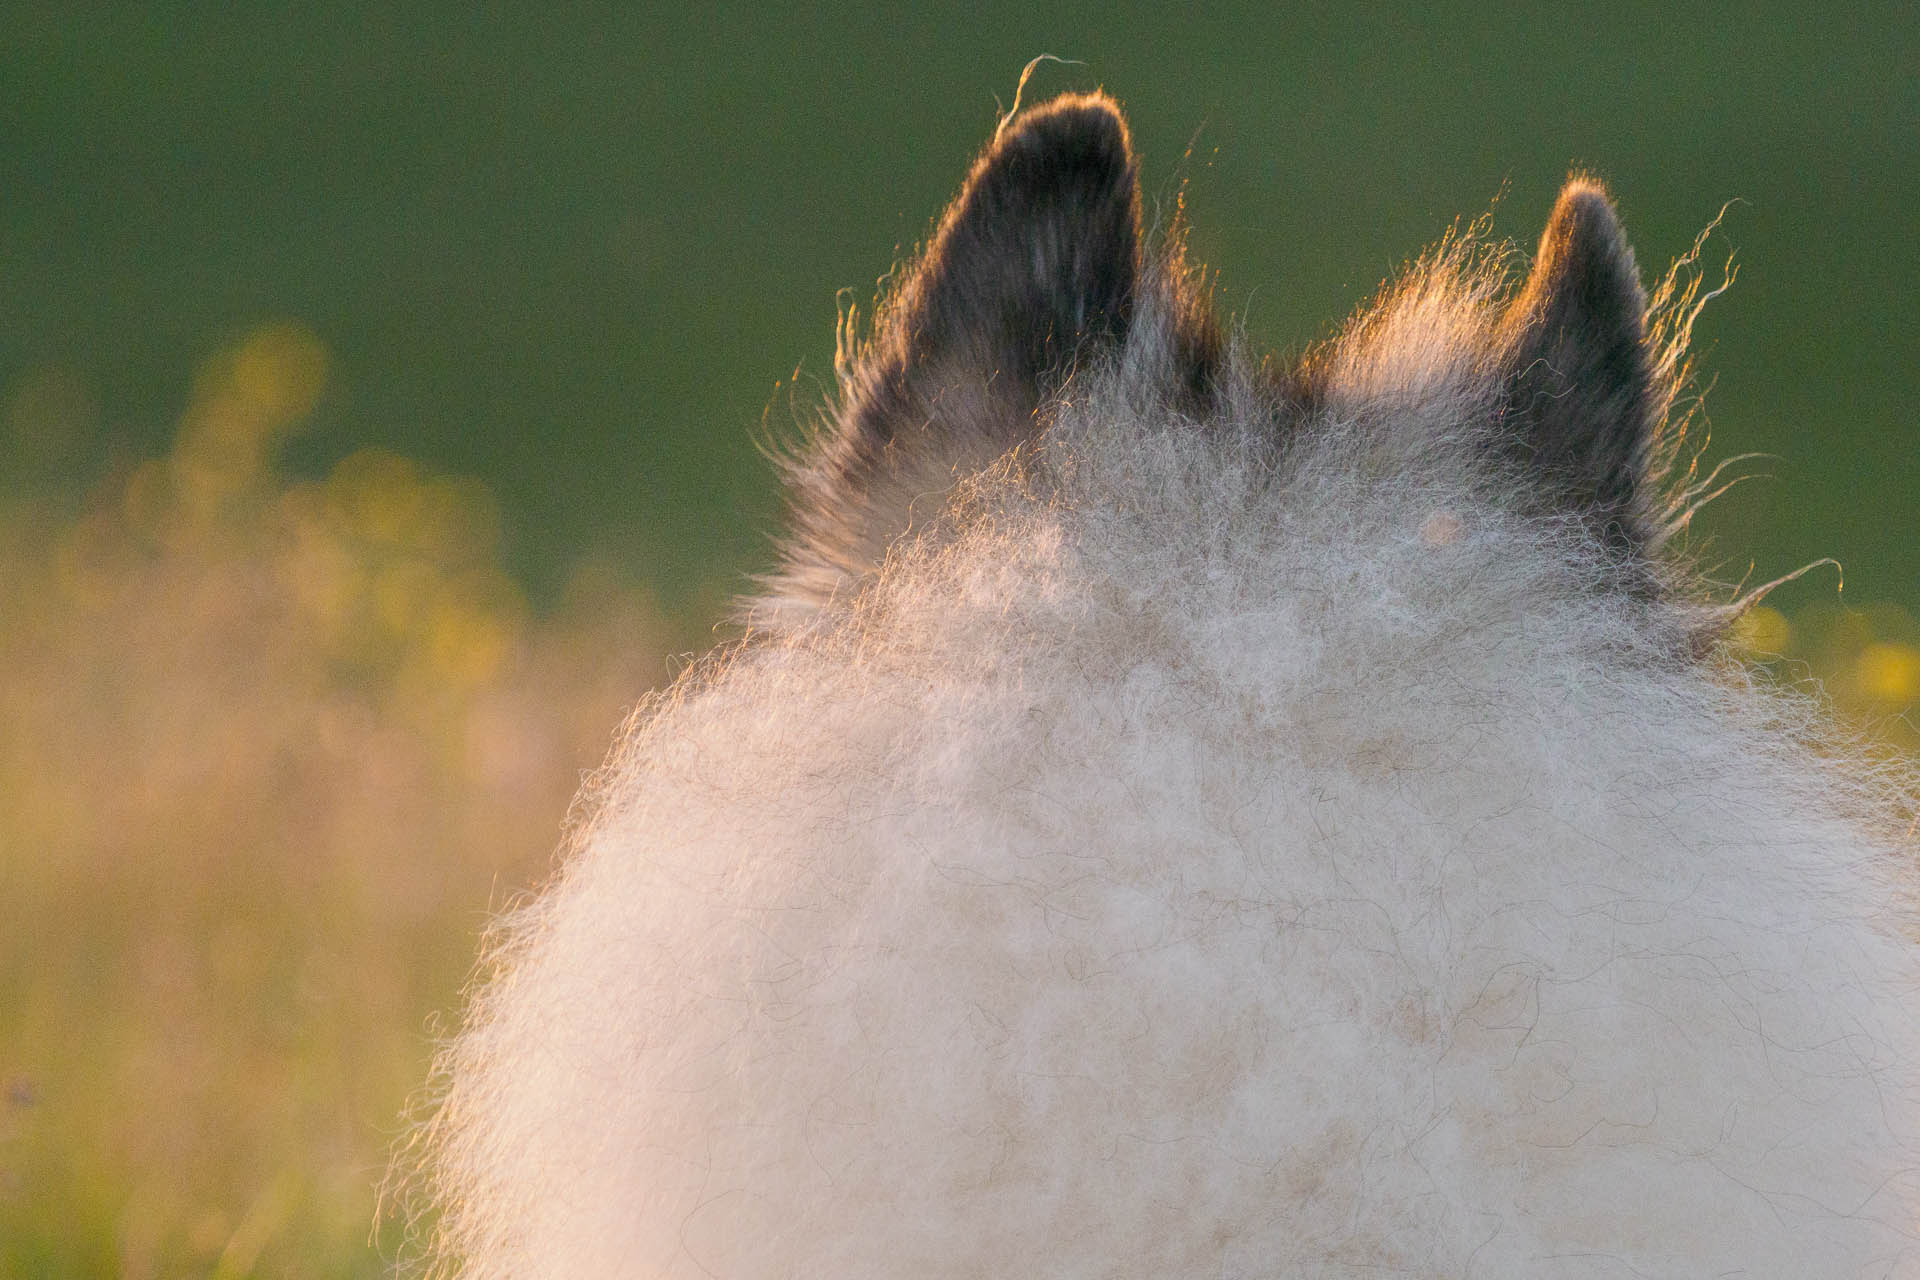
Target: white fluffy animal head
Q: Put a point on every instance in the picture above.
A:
(1175, 816)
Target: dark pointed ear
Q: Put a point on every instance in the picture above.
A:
(1038, 255)
(1033, 270)
(1581, 405)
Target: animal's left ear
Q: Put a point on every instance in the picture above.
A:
(1580, 405)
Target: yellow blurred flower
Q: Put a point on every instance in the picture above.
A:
(1763, 630)
(1888, 672)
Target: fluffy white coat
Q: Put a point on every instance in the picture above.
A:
(1196, 854)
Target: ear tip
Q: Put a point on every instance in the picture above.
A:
(1585, 191)
(1082, 129)
(1095, 111)
(1585, 220)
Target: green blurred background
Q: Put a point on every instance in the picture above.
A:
(383, 389)
(573, 251)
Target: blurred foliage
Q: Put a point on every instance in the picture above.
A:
(269, 748)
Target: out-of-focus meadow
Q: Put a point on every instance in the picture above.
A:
(271, 748)
(377, 408)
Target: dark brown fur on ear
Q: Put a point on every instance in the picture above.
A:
(1040, 253)
(1034, 268)
(1581, 404)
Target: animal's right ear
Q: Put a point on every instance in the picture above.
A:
(1034, 269)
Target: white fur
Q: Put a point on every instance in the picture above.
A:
(1196, 856)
